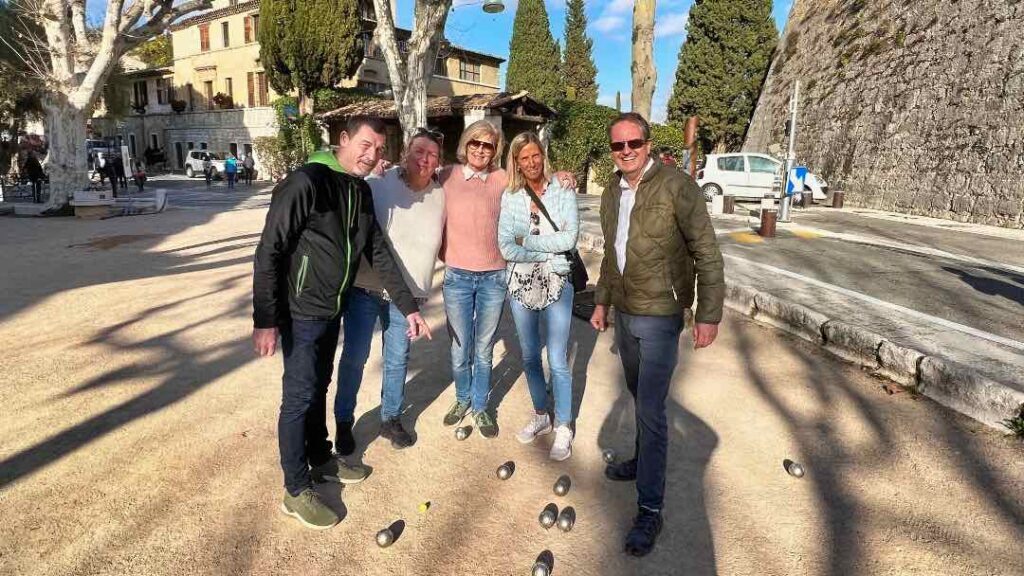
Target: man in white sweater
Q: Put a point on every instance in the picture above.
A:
(409, 204)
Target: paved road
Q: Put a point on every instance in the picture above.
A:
(139, 437)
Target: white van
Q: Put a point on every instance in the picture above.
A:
(748, 175)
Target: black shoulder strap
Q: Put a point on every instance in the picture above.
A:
(540, 206)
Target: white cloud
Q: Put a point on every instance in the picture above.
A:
(619, 7)
(608, 23)
(671, 25)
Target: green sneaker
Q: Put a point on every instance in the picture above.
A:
(337, 470)
(487, 426)
(310, 510)
(456, 413)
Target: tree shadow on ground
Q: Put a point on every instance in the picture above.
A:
(988, 282)
(832, 460)
(179, 370)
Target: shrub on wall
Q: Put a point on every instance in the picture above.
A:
(276, 159)
(223, 102)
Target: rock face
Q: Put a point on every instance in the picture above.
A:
(916, 107)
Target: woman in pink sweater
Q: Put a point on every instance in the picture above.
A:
(474, 281)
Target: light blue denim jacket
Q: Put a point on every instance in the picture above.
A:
(515, 222)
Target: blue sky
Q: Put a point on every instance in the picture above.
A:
(609, 26)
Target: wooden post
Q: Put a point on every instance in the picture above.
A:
(690, 134)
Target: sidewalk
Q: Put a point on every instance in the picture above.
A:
(932, 304)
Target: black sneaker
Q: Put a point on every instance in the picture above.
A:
(393, 430)
(345, 442)
(643, 534)
(485, 424)
(621, 472)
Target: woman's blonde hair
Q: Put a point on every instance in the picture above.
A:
(473, 132)
(516, 181)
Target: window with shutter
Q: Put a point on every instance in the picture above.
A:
(248, 29)
(252, 90)
(264, 96)
(204, 37)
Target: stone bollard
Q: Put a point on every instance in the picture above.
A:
(837, 199)
(728, 204)
(806, 199)
(717, 203)
(767, 229)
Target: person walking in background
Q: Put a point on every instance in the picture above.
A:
(34, 172)
(409, 204)
(207, 170)
(119, 171)
(659, 241)
(538, 227)
(231, 170)
(249, 165)
(319, 226)
(139, 176)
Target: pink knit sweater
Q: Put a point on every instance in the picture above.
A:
(472, 207)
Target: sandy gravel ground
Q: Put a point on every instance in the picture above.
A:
(138, 436)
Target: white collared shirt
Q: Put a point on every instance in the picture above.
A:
(626, 203)
(469, 173)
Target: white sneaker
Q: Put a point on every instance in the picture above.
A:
(538, 425)
(562, 448)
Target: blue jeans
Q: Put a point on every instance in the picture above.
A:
(308, 348)
(473, 302)
(649, 351)
(231, 179)
(364, 310)
(557, 319)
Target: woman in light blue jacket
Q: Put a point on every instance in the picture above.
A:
(536, 247)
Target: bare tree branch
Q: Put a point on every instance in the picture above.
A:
(161, 19)
(78, 21)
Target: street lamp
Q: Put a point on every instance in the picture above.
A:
(494, 6)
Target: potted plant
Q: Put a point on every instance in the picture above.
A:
(178, 106)
(223, 102)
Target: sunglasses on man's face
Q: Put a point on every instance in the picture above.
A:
(634, 144)
(434, 135)
(481, 144)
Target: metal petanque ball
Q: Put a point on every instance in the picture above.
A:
(462, 432)
(385, 538)
(795, 470)
(548, 518)
(504, 472)
(567, 519)
(541, 569)
(608, 455)
(562, 485)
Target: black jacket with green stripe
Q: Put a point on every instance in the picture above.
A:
(320, 223)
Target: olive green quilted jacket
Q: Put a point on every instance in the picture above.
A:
(671, 247)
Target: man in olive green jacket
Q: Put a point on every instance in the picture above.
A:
(658, 241)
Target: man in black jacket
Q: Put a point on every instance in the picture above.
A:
(320, 224)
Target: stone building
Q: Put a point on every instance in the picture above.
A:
(218, 53)
(916, 107)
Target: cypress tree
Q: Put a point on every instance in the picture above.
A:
(534, 59)
(307, 45)
(578, 70)
(722, 66)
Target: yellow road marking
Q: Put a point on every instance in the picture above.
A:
(746, 237)
(805, 234)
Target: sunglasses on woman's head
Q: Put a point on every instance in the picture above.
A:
(481, 144)
(434, 135)
(634, 144)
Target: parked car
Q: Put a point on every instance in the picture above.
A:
(196, 158)
(748, 175)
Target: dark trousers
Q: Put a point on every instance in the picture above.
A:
(649, 351)
(308, 347)
(37, 191)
